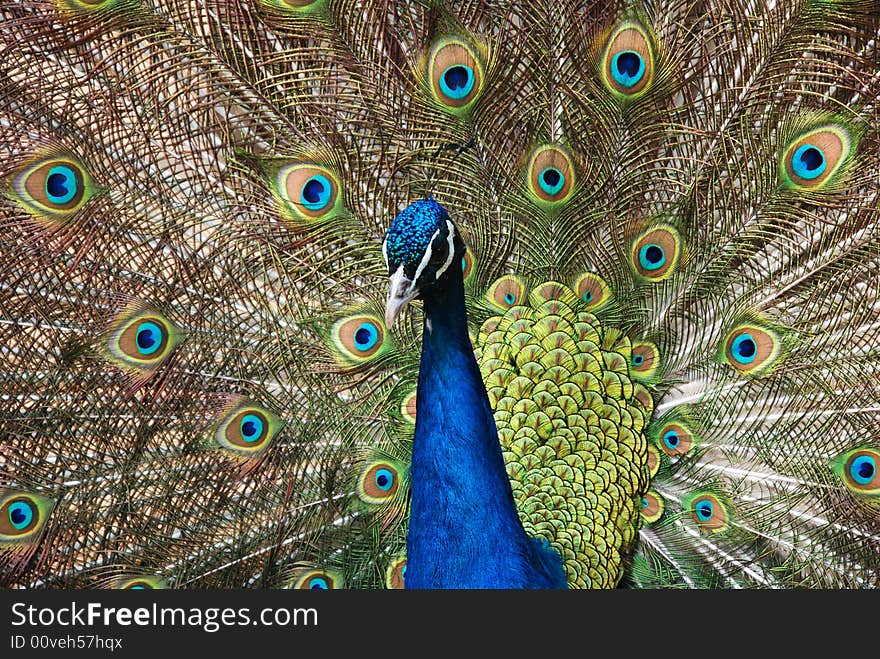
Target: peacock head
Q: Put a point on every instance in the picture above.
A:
(420, 247)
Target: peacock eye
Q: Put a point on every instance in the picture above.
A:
(652, 256)
(455, 73)
(656, 252)
(708, 511)
(457, 81)
(743, 349)
(378, 483)
(308, 192)
(651, 506)
(675, 439)
(384, 479)
(246, 430)
(408, 407)
(359, 338)
(550, 174)
(628, 62)
(316, 193)
(645, 360)
(395, 574)
(751, 349)
(143, 341)
(56, 188)
(21, 516)
(467, 265)
(627, 68)
(593, 290)
(811, 160)
(506, 292)
(859, 472)
(318, 580)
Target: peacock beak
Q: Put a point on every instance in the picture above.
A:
(400, 291)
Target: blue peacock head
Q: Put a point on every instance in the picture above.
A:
(420, 247)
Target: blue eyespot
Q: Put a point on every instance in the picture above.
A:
(61, 185)
(318, 583)
(384, 479)
(808, 162)
(638, 360)
(704, 510)
(652, 257)
(457, 81)
(463, 264)
(644, 502)
(551, 180)
(863, 469)
(627, 68)
(744, 348)
(587, 296)
(510, 298)
(671, 440)
(366, 336)
(251, 428)
(21, 515)
(316, 192)
(149, 337)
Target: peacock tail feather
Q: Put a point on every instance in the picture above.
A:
(672, 281)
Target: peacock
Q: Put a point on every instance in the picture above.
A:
(439, 294)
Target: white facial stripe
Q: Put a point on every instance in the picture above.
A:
(426, 258)
(451, 253)
(385, 252)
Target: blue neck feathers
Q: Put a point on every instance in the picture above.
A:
(464, 530)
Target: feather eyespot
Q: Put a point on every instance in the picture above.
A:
(319, 580)
(550, 174)
(455, 73)
(811, 160)
(628, 61)
(645, 360)
(55, 188)
(143, 341)
(378, 483)
(651, 506)
(408, 407)
(592, 290)
(708, 512)
(87, 6)
(860, 471)
(22, 516)
(395, 574)
(467, 265)
(359, 338)
(292, 8)
(656, 251)
(246, 430)
(751, 349)
(674, 439)
(508, 291)
(140, 583)
(308, 192)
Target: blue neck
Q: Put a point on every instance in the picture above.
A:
(464, 530)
